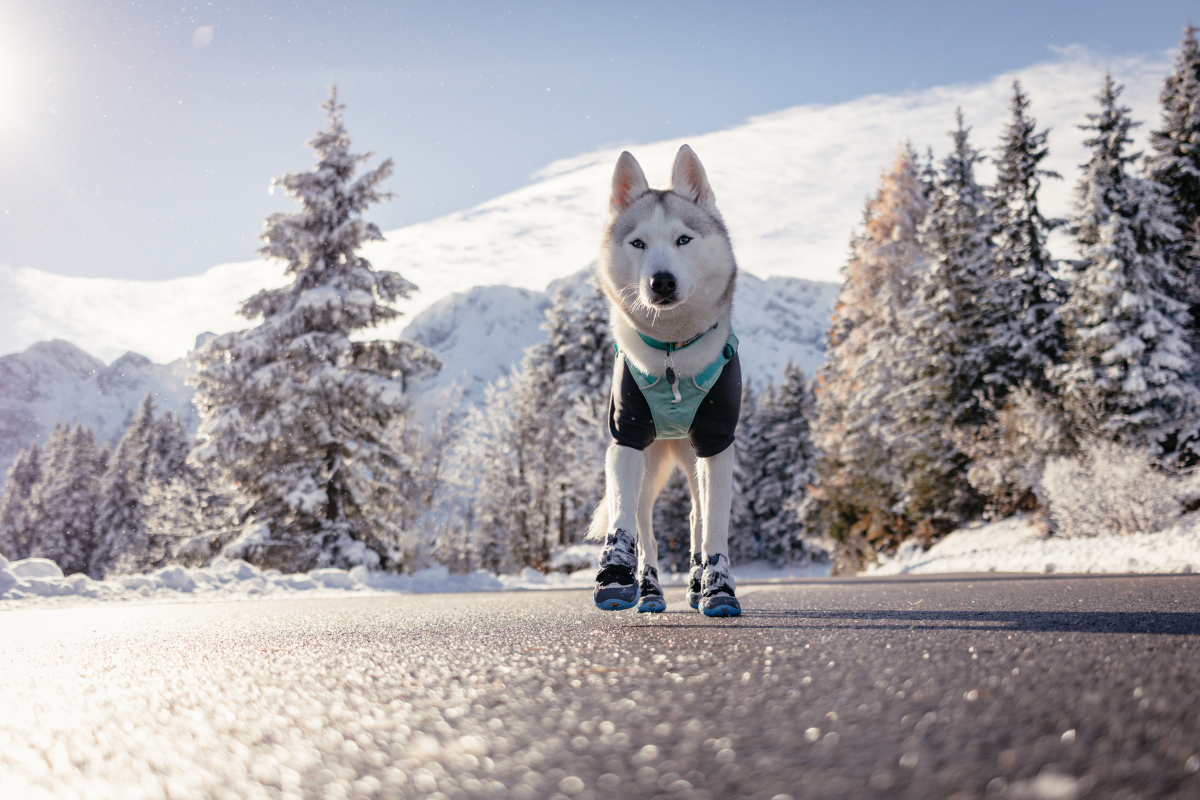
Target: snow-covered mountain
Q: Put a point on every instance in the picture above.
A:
(790, 184)
(58, 382)
(479, 334)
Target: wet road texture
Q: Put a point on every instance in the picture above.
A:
(975, 686)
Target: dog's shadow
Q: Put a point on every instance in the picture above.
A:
(1157, 623)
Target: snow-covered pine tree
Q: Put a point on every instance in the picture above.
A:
(579, 352)
(743, 524)
(1026, 330)
(859, 475)
(16, 505)
(1175, 158)
(120, 516)
(673, 524)
(783, 468)
(945, 352)
(173, 500)
(541, 434)
(951, 352)
(295, 409)
(54, 461)
(1129, 366)
(500, 466)
(66, 500)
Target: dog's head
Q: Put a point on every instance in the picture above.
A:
(666, 255)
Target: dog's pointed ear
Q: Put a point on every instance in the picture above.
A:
(628, 183)
(689, 179)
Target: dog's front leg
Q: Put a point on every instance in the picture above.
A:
(617, 584)
(715, 476)
(623, 470)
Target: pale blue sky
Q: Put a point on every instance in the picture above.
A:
(131, 152)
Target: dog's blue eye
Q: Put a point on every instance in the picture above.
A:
(639, 244)
(682, 240)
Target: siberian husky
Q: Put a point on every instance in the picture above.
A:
(667, 269)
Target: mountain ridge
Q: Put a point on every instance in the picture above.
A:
(480, 334)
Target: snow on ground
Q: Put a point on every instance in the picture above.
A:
(791, 186)
(1018, 544)
(1012, 545)
(39, 581)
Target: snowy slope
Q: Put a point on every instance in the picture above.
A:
(56, 381)
(479, 334)
(791, 186)
(1018, 544)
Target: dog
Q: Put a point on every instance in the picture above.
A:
(667, 269)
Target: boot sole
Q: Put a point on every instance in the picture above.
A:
(652, 605)
(723, 611)
(612, 604)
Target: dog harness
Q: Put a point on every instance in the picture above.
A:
(703, 408)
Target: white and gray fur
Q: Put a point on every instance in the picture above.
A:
(705, 276)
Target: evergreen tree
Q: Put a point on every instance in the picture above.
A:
(1026, 333)
(178, 501)
(949, 347)
(577, 364)
(16, 503)
(1175, 158)
(120, 518)
(54, 462)
(540, 436)
(946, 354)
(66, 502)
(673, 524)
(500, 459)
(294, 409)
(783, 467)
(856, 388)
(1129, 363)
(743, 524)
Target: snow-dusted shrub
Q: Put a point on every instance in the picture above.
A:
(1009, 453)
(1111, 488)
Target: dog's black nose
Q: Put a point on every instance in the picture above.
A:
(662, 284)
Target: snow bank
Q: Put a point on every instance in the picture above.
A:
(1018, 545)
(35, 579)
(234, 579)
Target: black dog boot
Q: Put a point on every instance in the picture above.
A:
(694, 578)
(717, 592)
(652, 596)
(617, 585)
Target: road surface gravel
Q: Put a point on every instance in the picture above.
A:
(976, 686)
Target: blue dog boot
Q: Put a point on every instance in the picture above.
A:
(652, 596)
(694, 580)
(718, 598)
(617, 585)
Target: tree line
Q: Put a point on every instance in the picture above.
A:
(963, 359)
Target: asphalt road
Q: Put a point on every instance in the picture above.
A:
(957, 687)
